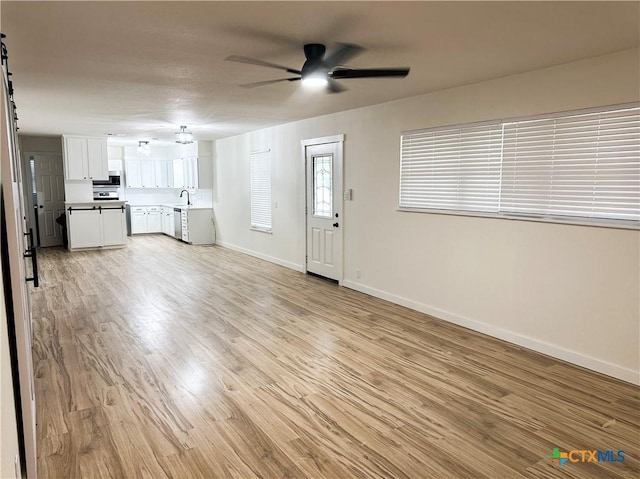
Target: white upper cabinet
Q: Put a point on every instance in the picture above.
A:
(134, 173)
(185, 173)
(178, 173)
(85, 158)
(148, 174)
(191, 172)
(98, 158)
(153, 174)
(165, 167)
(76, 161)
(163, 173)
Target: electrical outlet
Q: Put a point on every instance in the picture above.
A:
(358, 273)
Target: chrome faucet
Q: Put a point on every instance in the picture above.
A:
(188, 200)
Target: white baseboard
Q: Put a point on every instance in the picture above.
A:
(553, 350)
(271, 259)
(598, 365)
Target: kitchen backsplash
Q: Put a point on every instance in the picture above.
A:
(167, 196)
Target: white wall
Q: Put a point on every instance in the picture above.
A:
(40, 144)
(569, 291)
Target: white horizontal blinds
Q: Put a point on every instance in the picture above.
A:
(451, 169)
(261, 190)
(579, 165)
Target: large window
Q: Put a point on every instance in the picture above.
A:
(574, 167)
(261, 190)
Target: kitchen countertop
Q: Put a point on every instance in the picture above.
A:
(190, 207)
(182, 207)
(104, 203)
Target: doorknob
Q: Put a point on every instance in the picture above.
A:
(335, 225)
(41, 206)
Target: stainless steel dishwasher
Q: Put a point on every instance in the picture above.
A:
(177, 223)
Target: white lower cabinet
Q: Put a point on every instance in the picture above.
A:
(138, 219)
(114, 227)
(83, 228)
(197, 226)
(90, 226)
(184, 217)
(154, 219)
(146, 219)
(168, 221)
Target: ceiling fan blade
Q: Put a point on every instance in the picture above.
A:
(344, 73)
(268, 82)
(344, 52)
(335, 87)
(253, 61)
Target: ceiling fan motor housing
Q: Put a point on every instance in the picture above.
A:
(314, 52)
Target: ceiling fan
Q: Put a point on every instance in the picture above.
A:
(322, 69)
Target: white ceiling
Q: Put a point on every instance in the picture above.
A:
(141, 69)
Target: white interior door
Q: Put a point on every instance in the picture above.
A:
(14, 269)
(324, 209)
(49, 178)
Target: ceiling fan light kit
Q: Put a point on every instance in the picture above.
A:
(319, 69)
(315, 80)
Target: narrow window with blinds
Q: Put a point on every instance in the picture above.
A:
(261, 190)
(581, 166)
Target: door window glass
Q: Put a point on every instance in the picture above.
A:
(323, 186)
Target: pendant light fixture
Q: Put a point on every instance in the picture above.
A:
(183, 136)
(144, 149)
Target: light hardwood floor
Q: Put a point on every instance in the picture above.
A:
(169, 360)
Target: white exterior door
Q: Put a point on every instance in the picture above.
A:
(324, 209)
(49, 178)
